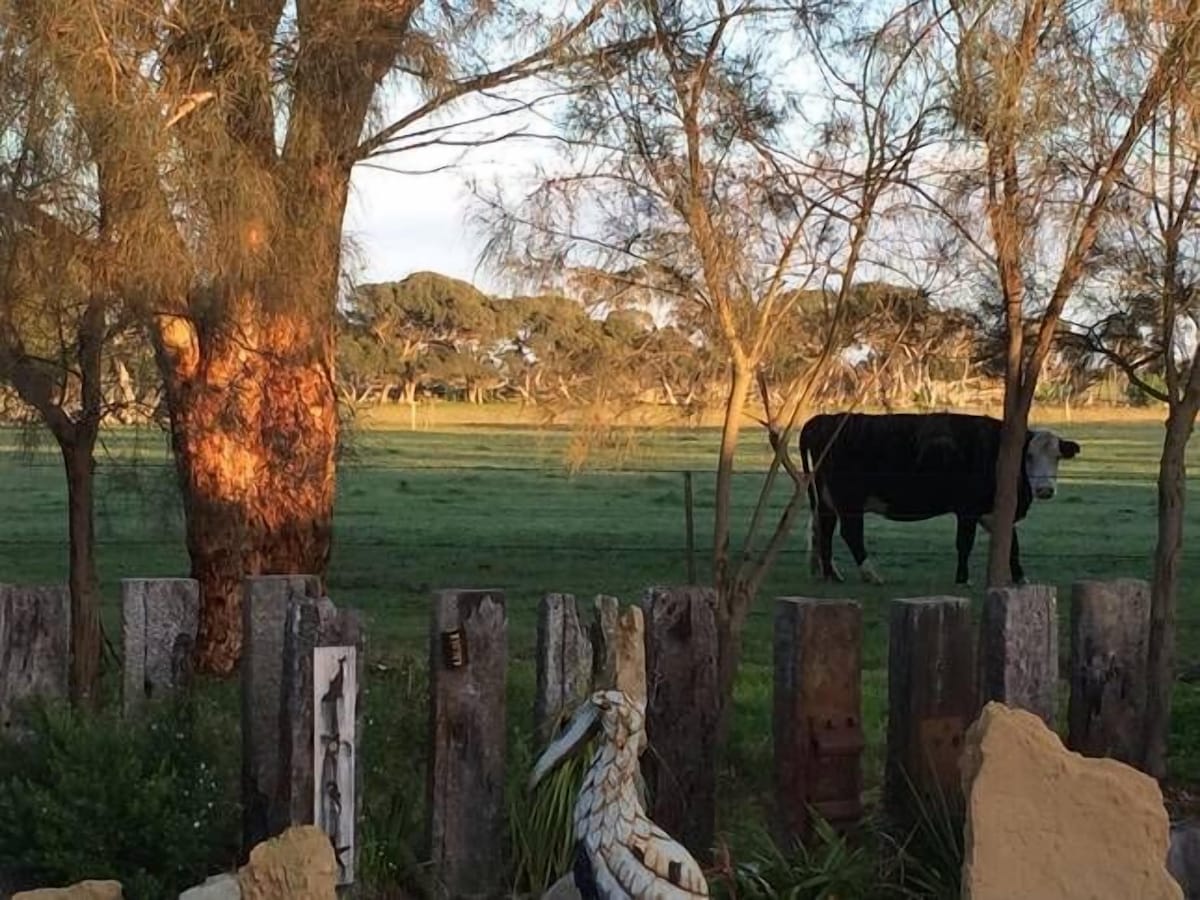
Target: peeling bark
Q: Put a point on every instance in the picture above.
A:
(254, 434)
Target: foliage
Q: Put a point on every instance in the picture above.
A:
(865, 863)
(934, 845)
(395, 741)
(830, 866)
(149, 802)
(541, 824)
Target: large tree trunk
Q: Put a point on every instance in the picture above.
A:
(1172, 491)
(85, 593)
(254, 435)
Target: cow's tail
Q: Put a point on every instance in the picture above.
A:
(806, 465)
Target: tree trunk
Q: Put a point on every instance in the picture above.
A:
(1172, 490)
(85, 594)
(733, 605)
(733, 600)
(254, 432)
(1004, 510)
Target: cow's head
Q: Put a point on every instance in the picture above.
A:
(1043, 450)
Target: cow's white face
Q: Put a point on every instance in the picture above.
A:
(1041, 461)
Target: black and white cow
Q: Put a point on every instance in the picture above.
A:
(908, 467)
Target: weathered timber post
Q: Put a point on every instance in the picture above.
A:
(35, 646)
(467, 667)
(564, 663)
(320, 722)
(1018, 649)
(931, 699)
(1110, 635)
(603, 632)
(159, 620)
(818, 713)
(265, 601)
(629, 676)
(681, 716)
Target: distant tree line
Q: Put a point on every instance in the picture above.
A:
(430, 336)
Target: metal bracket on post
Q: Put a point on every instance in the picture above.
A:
(454, 648)
(941, 741)
(835, 791)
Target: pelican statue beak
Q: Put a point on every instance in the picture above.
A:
(582, 726)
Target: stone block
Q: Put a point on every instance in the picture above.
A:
(297, 865)
(1044, 822)
(218, 887)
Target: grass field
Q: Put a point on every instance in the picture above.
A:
(492, 504)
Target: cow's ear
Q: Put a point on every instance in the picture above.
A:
(1068, 449)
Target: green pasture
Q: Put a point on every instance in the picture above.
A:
(496, 506)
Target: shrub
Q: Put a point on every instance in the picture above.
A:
(147, 801)
(541, 823)
(394, 755)
(829, 866)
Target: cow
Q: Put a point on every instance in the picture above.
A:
(913, 466)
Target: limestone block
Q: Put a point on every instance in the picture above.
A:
(84, 890)
(297, 865)
(1044, 823)
(219, 887)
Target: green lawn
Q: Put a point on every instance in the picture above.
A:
(494, 506)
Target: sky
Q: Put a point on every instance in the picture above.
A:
(398, 223)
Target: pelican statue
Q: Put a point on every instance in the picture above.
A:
(619, 853)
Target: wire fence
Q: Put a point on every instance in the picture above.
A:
(1106, 514)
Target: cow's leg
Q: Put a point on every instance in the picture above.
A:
(852, 534)
(1014, 560)
(827, 519)
(964, 543)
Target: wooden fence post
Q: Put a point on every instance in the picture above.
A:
(35, 647)
(265, 601)
(159, 620)
(931, 699)
(564, 663)
(817, 719)
(1018, 649)
(603, 633)
(682, 710)
(1110, 635)
(467, 667)
(321, 773)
